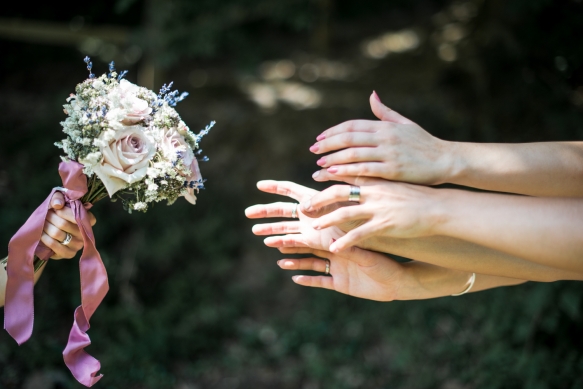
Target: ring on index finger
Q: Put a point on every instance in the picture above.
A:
(354, 194)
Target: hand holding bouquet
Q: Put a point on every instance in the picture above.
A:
(125, 142)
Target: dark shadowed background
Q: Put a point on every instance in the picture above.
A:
(197, 301)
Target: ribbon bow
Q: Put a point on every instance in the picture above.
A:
(19, 304)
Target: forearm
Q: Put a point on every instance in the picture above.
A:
(546, 231)
(4, 279)
(465, 256)
(432, 281)
(552, 169)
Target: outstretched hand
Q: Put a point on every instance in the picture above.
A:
(390, 209)
(358, 273)
(60, 221)
(394, 148)
(296, 233)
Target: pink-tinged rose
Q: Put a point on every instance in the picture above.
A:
(173, 143)
(126, 107)
(195, 176)
(125, 159)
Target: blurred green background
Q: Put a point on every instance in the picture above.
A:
(196, 301)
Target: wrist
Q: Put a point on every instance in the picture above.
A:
(438, 211)
(457, 162)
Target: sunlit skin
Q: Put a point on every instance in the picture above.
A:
(395, 148)
(442, 251)
(359, 273)
(60, 221)
(543, 230)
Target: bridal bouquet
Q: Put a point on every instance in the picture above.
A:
(132, 143)
(125, 142)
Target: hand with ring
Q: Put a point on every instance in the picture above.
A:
(296, 233)
(383, 208)
(61, 232)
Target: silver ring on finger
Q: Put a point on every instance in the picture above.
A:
(294, 214)
(67, 240)
(354, 194)
(327, 267)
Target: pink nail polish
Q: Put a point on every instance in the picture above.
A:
(316, 174)
(374, 93)
(332, 169)
(320, 137)
(315, 148)
(321, 161)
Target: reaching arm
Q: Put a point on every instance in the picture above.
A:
(374, 276)
(442, 251)
(543, 231)
(397, 149)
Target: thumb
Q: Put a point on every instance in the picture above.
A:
(384, 113)
(57, 201)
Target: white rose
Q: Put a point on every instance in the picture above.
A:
(126, 107)
(172, 143)
(125, 159)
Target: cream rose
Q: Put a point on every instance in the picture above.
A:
(172, 144)
(126, 107)
(125, 158)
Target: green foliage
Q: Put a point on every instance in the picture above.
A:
(195, 299)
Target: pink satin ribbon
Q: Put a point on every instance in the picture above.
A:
(19, 304)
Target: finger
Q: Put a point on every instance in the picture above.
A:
(325, 282)
(58, 200)
(314, 264)
(351, 155)
(59, 250)
(92, 219)
(54, 232)
(285, 188)
(59, 235)
(351, 239)
(342, 215)
(384, 113)
(324, 175)
(62, 223)
(306, 250)
(279, 209)
(343, 141)
(276, 228)
(291, 240)
(332, 195)
(350, 126)
(67, 214)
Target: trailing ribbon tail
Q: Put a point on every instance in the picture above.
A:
(19, 300)
(19, 308)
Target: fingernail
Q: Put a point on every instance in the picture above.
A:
(374, 93)
(321, 161)
(316, 174)
(320, 137)
(315, 226)
(307, 206)
(295, 278)
(332, 169)
(58, 202)
(278, 262)
(315, 148)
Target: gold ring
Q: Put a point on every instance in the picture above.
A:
(354, 194)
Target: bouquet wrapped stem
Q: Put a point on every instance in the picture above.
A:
(124, 142)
